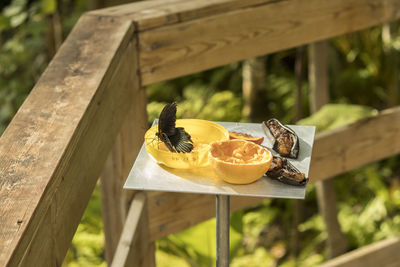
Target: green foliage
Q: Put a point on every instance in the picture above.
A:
(280, 95)
(165, 259)
(87, 248)
(369, 212)
(196, 245)
(48, 6)
(21, 38)
(364, 67)
(23, 54)
(200, 102)
(332, 116)
(260, 257)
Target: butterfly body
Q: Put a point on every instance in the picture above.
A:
(175, 138)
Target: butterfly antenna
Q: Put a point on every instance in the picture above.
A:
(152, 140)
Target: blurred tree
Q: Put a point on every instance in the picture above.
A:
(254, 82)
(391, 56)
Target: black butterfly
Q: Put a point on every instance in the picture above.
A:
(176, 139)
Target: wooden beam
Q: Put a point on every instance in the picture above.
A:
(115, 200)
(154, 14)
(186, 47)
(382, 253)
(55, 147)
(347, 148)
(335, 152)
(319, 96)
(133, 244)
(184, 210)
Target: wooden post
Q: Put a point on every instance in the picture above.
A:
(298, 205)
(318, 77)
(392, 58)
(254, 74)
(115, 200)
(134, 247)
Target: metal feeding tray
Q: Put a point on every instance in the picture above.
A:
(146, 174)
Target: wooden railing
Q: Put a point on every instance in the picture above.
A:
(90, 104)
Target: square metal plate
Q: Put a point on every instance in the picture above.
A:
(146, 174)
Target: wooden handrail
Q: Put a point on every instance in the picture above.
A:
(383, 253)
(55, 147)
(187, 38)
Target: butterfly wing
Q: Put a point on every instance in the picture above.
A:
(167, 142)
(166, 121)
(181, 141)
(176, 139)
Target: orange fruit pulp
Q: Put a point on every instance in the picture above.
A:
(247, 137)
(239, 161)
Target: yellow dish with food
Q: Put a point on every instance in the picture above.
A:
(239, 161)
(202, 133)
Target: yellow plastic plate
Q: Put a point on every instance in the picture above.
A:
(202, 132)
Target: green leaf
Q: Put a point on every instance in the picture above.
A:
(17, 20)
(48, 6)
(4, 23)
(332, 116)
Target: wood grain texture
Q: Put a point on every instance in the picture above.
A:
(56, 145)
(347, 148)
(115, 200)
(318, 74)
(383, 253)
(172, 212)
(335, 152)
(187, 47)
(157, 13)
(134, 244)
(113, 212)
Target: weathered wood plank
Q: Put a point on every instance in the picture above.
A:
(335, 152)
(318, 74)
(112, 210)
(344, 149)
(183, 48)
(172, 212)
(55, 147)
(116, 200)
(382, 253)
(134, 243)
(152, 14)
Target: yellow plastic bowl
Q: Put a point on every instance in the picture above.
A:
(239, 161)
(202, 132)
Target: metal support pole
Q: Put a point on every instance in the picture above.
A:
(223, 217)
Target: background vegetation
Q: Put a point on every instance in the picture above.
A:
(363, 71)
